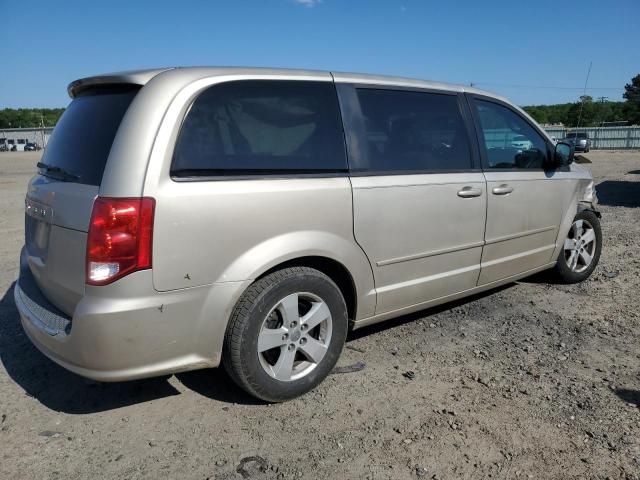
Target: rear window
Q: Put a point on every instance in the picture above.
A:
(262, 127)
(81, 142)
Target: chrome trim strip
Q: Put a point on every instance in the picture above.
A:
(432, 253)
(38, 211)
(520, 234)
(429, 278)
(518, 255)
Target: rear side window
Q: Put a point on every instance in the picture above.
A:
(81, 142)
(262, 127)
(412, 131)
(509, 140)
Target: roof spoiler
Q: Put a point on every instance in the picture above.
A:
(136, 77)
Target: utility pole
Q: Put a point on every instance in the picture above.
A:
(42, 130)
(602, 100)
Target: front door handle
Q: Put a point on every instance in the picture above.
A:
(503, 189)
(469, 192)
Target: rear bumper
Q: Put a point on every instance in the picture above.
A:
(127, 330)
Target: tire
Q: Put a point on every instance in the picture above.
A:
(572, 266)
(264, 318)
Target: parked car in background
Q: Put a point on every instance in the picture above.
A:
(196, 217)
(580, 141)
(31, 147)
(3, 144)
(521, 143)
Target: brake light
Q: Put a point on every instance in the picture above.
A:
(119, 239)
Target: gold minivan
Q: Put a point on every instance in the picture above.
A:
(186, 217)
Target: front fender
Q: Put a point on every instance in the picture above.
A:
(583, 198)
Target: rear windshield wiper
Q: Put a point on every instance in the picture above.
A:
(62, 173)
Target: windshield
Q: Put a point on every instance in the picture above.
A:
(81, 142)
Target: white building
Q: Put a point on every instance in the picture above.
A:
(19, 137)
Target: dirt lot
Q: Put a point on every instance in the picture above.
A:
(533, 380)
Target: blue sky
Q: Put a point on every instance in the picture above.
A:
(534, 52)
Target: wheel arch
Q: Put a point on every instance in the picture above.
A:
(333, 269)
(338, 257)
(582, 198)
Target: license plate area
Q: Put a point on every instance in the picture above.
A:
(37, 228)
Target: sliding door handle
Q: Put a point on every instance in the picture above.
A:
(503, 189)
(469, 192)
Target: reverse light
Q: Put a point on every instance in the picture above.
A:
(119, 239)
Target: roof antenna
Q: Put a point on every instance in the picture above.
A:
(584, 94)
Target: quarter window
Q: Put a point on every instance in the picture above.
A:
(510, 141)
(412, 131)
(262, 127)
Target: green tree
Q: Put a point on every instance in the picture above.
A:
(582, 113)
(29, 117)
(632, 105)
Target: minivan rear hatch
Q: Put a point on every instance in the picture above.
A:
(60, 198)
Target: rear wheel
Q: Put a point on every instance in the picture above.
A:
(285, 334)
(581, 250)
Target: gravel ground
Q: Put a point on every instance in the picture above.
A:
(532, 380)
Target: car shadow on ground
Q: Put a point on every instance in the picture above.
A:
(57, 388)
(412, 317)
(617, 193)
(629, 396)
(64, 391)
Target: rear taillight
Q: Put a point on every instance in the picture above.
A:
(119, 240)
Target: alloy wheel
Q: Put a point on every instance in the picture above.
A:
(294, 336)
(580, 246)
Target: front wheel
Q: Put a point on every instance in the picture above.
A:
(581, 250)
(285, 334)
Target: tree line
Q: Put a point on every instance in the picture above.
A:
(587, 111)
(29, 117)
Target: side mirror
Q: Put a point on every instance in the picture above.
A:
(562, 154)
